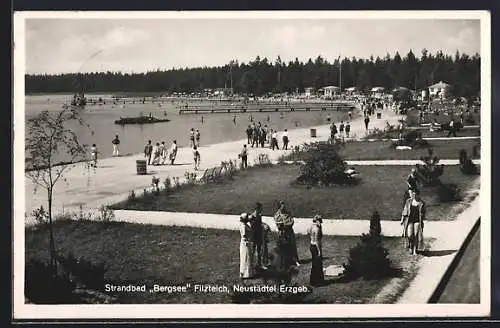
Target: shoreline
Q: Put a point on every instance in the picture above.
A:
(356, 115)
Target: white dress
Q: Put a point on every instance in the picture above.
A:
(246, 260)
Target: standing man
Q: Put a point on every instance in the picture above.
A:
(197, 136)
(257, 229)
(367, 121)
(452, 129)
(116, 143)
(285, 140)
(197, 158)
(333, 132)
(244, 157)
(274, 140)
(173, 152)
(249, 134)
(347, 129)
(148, 150)
(191, 138)
(255, 135)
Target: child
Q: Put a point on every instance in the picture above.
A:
(347, 129)
(197, 158)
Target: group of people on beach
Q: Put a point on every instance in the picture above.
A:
(343, 130)
(158, 153)
(256, 257)
(262, 135)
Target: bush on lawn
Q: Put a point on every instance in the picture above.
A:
(466, 165)
(323, 166)
(263, 160)
(430, 171)
(369, 259)
(41, 286)
(40, 215)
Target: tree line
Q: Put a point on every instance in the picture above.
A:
(262, 76)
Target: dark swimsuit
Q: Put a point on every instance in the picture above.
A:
(414, 216)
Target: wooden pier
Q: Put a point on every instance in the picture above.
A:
(265, 109)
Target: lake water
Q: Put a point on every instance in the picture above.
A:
(214, 129)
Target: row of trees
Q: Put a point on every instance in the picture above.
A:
(262, 76)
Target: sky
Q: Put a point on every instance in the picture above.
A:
(56, 46)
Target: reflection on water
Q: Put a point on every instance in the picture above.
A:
(214, 128)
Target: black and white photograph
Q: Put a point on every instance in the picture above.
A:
(251, 164)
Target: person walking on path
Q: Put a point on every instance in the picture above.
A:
(285, 140)
(197, 136)
(93, 156)
(249, 134)
(163, 153)
(173, 152)
(191, 138)
(262, 137)
(274, 140)
(256, 224)
(255, 136)
(367, 121)
(148, 151)
(156, 154)
(333, 132)
(348, 129)
(452, 129)
(116, 144)
(244, 157)
(341, 129)
(412, 220)
(197, 158)
(315, 232)
(246, 245)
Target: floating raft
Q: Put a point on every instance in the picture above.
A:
(140, 120)
(280, 109)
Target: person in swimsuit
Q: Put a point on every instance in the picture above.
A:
(412, 219)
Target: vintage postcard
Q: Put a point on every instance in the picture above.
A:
(251, 164)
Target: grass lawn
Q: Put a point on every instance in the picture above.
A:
(381, 188)
(380, 150)
(146, 254)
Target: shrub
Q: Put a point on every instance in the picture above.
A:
(190, 178)
(83, 271)
(369, 259)
(131, 196)
(430, 171)
(466, 164)
(40, 215)
(41, 286)
(106, 214)
(263, 160)
(322, 166)
(83, 215)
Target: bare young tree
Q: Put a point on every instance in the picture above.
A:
(48, 134)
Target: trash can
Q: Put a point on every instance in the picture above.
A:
(379, 115)
(313, 133)
(142, 167)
